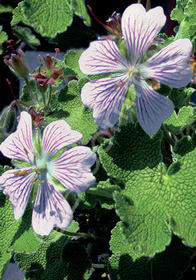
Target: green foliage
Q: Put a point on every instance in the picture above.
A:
(181, 97)
(55, 259)
(68, 106)
(71, 61)
(3, 38)
(102, 193)
(184, 119)
(155, 201)
(49, 17)
(169, 264)
(5, 9)
(25, 34)
(15, 236)
(185, 14)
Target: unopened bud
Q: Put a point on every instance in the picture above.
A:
(8, 120)
(17, 63)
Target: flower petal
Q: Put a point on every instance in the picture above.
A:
(151, 107)
(19, 144)
(18, 188)
(72, 168)
(50, 209)
(57, 135)
(102, 57)
(105, 96)
(170, 65)
(140, 28)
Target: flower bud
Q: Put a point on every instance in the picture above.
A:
(17, 63)
(8, 120)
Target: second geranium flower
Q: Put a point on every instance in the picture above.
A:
(169, 66)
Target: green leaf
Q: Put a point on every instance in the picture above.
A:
(178, 11)
(68, 106)
(167, 265)
(56, 259)
(178, 122)
(47, 17)
(131, 149)
(71, 60)
(26, 35)
(184, 146)
(103, 193)
(15, 236)
(181, 97)
(5, 9)
(3, 38)
(155, 201)
(185, 14)
(79, 9)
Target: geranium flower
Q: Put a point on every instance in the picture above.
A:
(70, 170)
(169, 66)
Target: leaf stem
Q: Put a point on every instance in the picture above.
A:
(167, 136)
(30, 91)
(80, 234)
(50, 94)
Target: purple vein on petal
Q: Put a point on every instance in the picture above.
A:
(72, 168)
(170, 65)
(151, 107)
(50, 209)
(105, 96)
(18, 188)
(57, 135)
(102, 57)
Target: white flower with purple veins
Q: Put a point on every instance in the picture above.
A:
(169, 66)
(35, 160)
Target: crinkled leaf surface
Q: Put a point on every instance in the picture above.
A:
(3, 35)
(3, 38)
(155, 201)
(5, 8)
(55, 259)
(49, 17)
(102, 193)
(79, 9)
(169, 264)
(181, 97)
(15, 236)
(26, 35)
(71, 60)
(68, 106)
(185, 14)
(178, 122)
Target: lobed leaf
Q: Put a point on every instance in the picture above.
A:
(156, 202)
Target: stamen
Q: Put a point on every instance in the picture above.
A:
(41, 182)
(34, 179)
(21, 173)
(37, 171)
(27, 155)
(57, 51)
(35, 158)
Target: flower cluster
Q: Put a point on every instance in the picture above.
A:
(50, 72)
(35, 162)
(45, 164)
(169, 66)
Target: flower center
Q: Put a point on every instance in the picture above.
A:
(41, 165)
